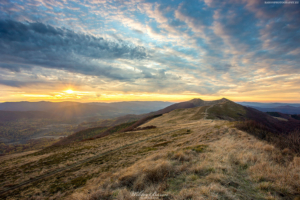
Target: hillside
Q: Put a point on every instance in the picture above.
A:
(225, 109)
(126, 121)
(195, 109)
(193, 153)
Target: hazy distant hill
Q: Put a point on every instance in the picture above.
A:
(268, 105)
(84, 110)
(68, 110)
(34, 106)
(274, 107)
(137, 107)
(45, 105)
(282, 109)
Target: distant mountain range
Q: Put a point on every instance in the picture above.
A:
(134, 106)
(66, 110)
(285, 108)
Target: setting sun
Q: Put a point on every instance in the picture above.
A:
(69, 91)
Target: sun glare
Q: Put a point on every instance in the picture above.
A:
(69, 91)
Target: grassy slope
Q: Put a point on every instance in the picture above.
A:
(206, 159)
(92, 133)
(227, 110)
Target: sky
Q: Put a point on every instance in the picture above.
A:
(169, 50)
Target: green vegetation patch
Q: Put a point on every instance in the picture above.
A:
(228, 110)
(162, 144)
(55, 158)
(175, 184)
(88, 133)
(158, 140)
(120, 127)
(146, 149)
(182, 132)
(274, 114)
(198, 148)
(72, 184)
(296, 117)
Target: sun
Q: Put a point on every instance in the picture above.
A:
(69, 91)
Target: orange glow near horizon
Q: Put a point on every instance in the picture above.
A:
(92, 96)
(87, 94)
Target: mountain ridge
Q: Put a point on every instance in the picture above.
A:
(220, 109)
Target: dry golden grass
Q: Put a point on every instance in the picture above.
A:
(205, 159)
(232, 167)
(16, 155)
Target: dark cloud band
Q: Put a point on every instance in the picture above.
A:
(23, 45)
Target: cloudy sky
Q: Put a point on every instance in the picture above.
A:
(169, 50)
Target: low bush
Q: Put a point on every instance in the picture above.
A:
(140, 122)
(144, 128)
(139, 177)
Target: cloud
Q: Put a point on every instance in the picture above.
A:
(201, 46)
(138, 31)
(12, 83)
(222, 67)
(15, 83)
(36, 44)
